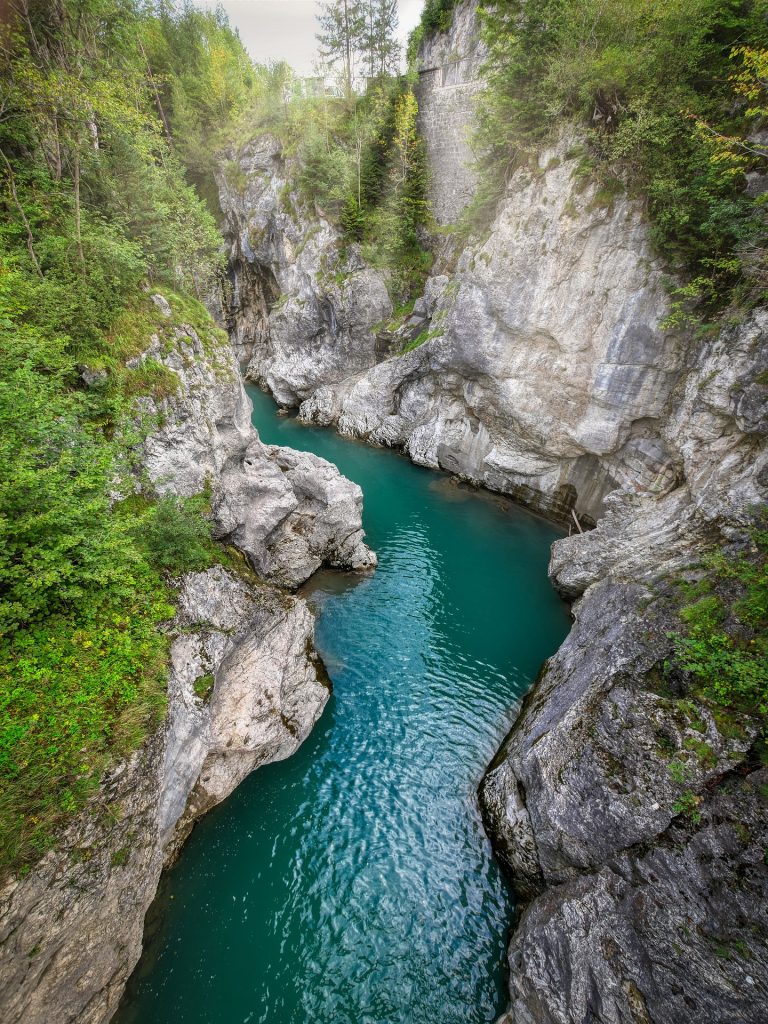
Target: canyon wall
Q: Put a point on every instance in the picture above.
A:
(548, 373)
(245, 684)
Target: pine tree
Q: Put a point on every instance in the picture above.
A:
(342, 25)
(381, 46)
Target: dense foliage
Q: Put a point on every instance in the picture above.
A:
(724, 644)
(105, 107)
(362, 163)
(667, 94)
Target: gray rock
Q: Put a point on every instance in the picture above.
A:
(551, 368)
(71, 930)
(677, 932)
(163, 305)
(323, 328)
(639, 914)
(288, 512)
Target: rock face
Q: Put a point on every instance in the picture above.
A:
(245, 685)
(583, 802)
(289, 512)
(71, 930)
(548, 371)
(323, 326)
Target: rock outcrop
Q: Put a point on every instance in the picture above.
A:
(245, 684)
(547, 370)
(289, 512)
(71, 930)
(302, 313)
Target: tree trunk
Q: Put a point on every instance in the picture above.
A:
(78, 229)
(20, 208)
(347, 52)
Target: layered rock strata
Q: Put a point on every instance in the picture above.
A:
(631, 812)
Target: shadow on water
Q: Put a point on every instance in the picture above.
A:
(353, 883)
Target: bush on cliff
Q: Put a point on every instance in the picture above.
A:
(724, 641)
(668, 96)
(106, 107)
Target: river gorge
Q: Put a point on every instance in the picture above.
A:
(354, 881)
(452, 486)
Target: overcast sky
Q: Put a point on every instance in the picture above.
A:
(285, 29)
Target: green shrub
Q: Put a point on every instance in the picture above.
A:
(176, 535)
(724, 645)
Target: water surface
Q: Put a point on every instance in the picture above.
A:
(353, 883)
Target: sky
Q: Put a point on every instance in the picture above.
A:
(285, 29)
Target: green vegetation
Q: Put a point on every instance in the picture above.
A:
(667, 95)
(362, 163)
(105, 107)
(204, 686)
(723, 650)
(724, 645)
(435, 17)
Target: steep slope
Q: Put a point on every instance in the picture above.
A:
(245, 684)
(625, 802)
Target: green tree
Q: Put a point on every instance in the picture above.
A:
(379, 45)
(342, 24)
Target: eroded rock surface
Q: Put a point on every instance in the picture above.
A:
(302, 314)
(674, 932)
(289, 512)
(641, 911)
(71, 930)
(548, 371)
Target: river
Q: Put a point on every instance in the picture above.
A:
(353, 883)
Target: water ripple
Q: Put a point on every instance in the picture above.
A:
(353, 883)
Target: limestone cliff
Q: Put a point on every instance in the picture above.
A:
(547, 373)
(245, 685)
(301, 313)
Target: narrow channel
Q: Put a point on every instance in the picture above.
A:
(353, 883)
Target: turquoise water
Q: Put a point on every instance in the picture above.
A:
(353, 883)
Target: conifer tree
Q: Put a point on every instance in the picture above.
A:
(342, 24)
(380, 45)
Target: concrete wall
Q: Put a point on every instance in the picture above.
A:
(449, 83)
